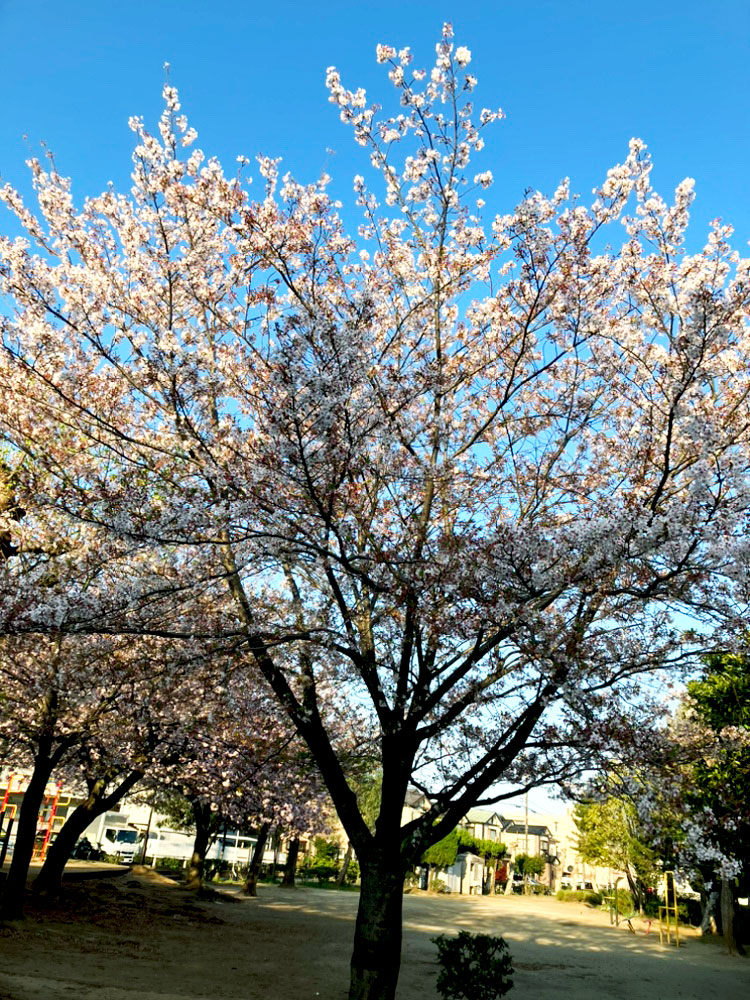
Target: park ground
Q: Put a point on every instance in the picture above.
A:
(142, 937)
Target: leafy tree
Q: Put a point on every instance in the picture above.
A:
(443, 853)
(716, 792)
(610, 833)
(529, 864)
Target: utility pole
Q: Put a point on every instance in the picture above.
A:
(526, 803)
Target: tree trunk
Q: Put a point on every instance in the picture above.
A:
(276, 845)
(250, 888)
(49, 878)
(708, 920)
(341, 878)
(488, 878)
(376, 959)
(509, 884)
(727, 915)
(291, 863)
(202, 814)
(635, 890)
(15, 884)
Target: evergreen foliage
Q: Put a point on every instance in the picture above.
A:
(473, 967)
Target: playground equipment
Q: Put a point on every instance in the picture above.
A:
(668, 917)
(612, 901)
(48, 821)
(50, 817)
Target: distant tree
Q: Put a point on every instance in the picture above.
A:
(610, 833)
(717, 785)
(529, 864)
(443, 853)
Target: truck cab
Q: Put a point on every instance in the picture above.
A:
(123, 842)
(114, 835)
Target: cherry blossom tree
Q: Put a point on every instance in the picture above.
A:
(243, 766)
(56, 692)
(455, 476)
(166, 694)
(90, 711)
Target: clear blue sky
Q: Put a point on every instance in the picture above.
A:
(577, 79)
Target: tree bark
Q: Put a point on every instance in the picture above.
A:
(376, 959)
(6, 840)
(341, 877)
(202, 814)
(250, 888)
(15, 884)
(635, 890)
(727, 915)
(49, 878)
(290, 867)
(708, 919)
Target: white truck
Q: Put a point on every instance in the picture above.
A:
(112, 834)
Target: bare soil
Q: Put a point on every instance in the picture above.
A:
(142, 937)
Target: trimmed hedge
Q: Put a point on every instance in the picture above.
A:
(580, 896)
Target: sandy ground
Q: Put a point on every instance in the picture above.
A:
(139, 937)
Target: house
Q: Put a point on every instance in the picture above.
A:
(415, 804)
(465, 875)
(521, 837)
(484, 824)
(529, 838)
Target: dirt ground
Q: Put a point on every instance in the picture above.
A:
(140, 937)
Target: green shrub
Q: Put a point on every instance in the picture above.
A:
(437, 885)
(171, 864)
(625, 904)
(580, 896)
(352, 872)
(473, 967)
(320, 869)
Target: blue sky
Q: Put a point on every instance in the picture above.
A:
(576, 78)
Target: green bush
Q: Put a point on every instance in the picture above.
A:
(225, 871)
(473, 967)
(625, 904)
(326, 850)
(437, 885)
(352, 872)
(320, 869)
(580, 896)
(171, 864)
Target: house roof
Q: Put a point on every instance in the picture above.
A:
(534, 831)
(416, 799)
(483, 816)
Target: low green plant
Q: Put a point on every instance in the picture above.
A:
(170, 864)
(580, 896)
(320, 869)
(625, 903)
(437, 885)
(352, 872)
(473, 967)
